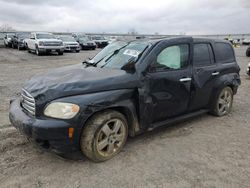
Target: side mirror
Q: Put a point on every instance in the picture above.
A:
(151, 68)
(130, 65)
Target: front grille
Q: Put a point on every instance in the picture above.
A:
(52, 44)
(90, 44)
(28, 102)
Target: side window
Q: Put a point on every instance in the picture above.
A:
(224, 52)
(173, 57)
(203, 55)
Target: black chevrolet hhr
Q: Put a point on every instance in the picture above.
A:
(126, 89)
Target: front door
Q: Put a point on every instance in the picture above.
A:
(168, 79)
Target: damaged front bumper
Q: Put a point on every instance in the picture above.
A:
(49, 133)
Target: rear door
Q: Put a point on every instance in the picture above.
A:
(205, 72)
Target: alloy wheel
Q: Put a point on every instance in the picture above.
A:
(225, 102)
(111, 137)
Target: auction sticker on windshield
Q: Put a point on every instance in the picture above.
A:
(131, 52)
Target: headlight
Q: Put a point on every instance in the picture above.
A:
(61, 110)
(41, 43)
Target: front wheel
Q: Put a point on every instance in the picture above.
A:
(38, 52)
(104, 135)
(224, 101)
(60, 53)
(248, 52)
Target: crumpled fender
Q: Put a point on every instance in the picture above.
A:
(122, 100)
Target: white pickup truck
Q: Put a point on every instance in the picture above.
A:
(41, 42)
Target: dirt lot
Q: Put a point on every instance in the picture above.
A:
(203, 152)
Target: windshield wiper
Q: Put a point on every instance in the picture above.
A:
(88, 63)
(94, 64)
(111, 55)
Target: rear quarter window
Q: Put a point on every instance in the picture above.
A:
(224, 52)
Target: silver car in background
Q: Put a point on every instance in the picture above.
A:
(70, 44)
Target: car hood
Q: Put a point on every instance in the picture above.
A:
(70, 43)
(48, 40)
(101, 40)
(76, 80)
(86, 42)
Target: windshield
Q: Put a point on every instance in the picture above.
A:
(117, 54)
(98, 38)
(23, 35)
(67, 39)
(45, 36)
(84, 39)
(10, 35)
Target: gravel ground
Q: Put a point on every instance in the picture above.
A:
(203, 152)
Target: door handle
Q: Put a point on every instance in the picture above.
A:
(185, 79)
(215, 73)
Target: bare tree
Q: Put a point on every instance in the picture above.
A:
(6, 28)
(132, 31)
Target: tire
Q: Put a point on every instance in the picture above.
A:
(93, 48)
(248, 52)
(77, 51)
(60, 53)
(38, 53)
(18, 47)
(104, 135)
(223, 102)
(12, 45)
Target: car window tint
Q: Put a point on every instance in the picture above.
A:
(201, 55)
(173, 57)
(224, 52)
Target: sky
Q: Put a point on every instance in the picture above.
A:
(119, 16)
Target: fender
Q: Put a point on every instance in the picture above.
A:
(122, 100)
(232, 80)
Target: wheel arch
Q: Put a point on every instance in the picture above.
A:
(229, 80)
(129, 113)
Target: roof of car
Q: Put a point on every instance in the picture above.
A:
(195, 39)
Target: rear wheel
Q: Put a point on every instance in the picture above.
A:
(224, 101)
(104, 135)
(248, 52)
